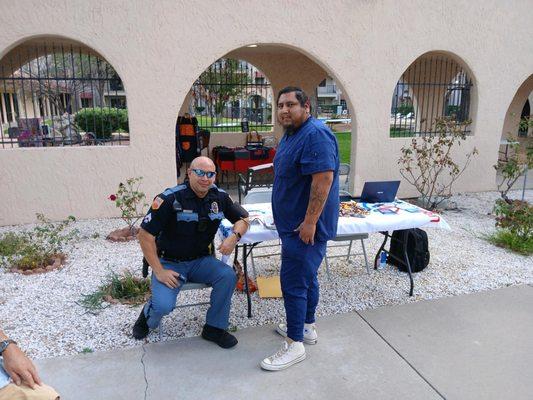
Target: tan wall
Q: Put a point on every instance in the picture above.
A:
(160, 48)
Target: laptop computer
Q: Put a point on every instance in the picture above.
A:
(380, 192)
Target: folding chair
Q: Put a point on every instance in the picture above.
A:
(260, 176)
(344, 175)
(184, 287)
(345, 238)
(254, 196)
(346, 196)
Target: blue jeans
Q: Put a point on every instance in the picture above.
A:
(208, 270)
(4, 377)
(299, 282)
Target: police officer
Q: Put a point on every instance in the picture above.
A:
(305, 205)
(176, 236)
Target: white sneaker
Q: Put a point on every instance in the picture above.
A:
(310, 335)
(287, 355)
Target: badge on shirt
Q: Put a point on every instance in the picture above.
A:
(157, 203)
(148, 218)
(214, 207)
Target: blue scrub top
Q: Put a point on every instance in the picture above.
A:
(312, 148)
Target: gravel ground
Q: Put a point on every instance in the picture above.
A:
(42, 312)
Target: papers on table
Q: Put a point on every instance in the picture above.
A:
(393, 216)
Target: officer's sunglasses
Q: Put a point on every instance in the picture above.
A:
(201, 173)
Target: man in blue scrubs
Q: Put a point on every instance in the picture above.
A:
(305, 204)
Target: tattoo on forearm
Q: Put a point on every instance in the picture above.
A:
(317, 199)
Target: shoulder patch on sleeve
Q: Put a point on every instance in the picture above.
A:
(157, 203)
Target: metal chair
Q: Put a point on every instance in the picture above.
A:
(344, 175)
(345, 238)
(346, 196)
(260, 195)
(260, 176)
(184, 287)
(254, 196)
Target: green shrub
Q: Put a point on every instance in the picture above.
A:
(86, 350)
(130, 201)
(11, 243)
(36, 248)
(405, 109)
(428, 162)
(513, 167)
(102, 121)
(507, 239)
(452, 109)
(124, 288)
(514, 218)
(128, 288)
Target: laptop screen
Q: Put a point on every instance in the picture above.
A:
(380, 192)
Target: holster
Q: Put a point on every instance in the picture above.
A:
(145, 268)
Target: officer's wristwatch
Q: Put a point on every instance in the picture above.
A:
(239, 236)
(4, 344)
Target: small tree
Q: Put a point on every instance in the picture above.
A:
(513, 167)
(427, 163)
(221, 82)
(130, 200)
(39, 247)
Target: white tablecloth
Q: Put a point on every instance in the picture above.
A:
(406, 216)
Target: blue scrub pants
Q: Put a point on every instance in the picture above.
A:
(299, 282)
(208, 270)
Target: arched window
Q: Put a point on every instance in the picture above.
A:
(228, 92)
(60, 93)
(434, 86)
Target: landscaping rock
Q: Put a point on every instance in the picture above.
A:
(57, 263)
(461, 262)
(123, 235)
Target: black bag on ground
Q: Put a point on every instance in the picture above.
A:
(417, 249)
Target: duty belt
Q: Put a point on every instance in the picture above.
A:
(180, 259)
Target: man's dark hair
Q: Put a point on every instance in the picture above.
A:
(300, 94)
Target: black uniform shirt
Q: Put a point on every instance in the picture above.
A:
(184, 224)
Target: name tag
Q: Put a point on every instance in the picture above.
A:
(187, 216)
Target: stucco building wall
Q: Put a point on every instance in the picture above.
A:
(160, 48)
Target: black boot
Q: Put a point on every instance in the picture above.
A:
(220, 336)
(140, 329)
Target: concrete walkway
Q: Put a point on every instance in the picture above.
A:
(477, 346)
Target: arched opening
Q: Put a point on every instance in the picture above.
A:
(254, 75)
(59, 92)
(435, 85)
(332, 108)
(229, 91)
(517, 132)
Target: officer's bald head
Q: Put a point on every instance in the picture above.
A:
(204, 163)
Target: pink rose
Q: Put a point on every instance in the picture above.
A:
(112, 197)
